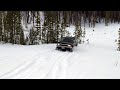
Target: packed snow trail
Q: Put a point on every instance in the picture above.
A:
(98, 59)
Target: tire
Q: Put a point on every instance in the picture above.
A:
(57, 48)
(71, 50)
(63, 50)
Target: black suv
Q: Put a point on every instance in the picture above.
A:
(67, 43)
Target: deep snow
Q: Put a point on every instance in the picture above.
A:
(96, 59)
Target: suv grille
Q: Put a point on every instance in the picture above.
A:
(64, 45)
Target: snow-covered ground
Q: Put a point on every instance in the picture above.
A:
(96, 59)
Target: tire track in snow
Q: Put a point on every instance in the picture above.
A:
(34, 66)
(24, 66)
(50, 73)
(65, 66)
(31, 69)
(60, 66)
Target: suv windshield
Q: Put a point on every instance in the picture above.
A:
(68, 39)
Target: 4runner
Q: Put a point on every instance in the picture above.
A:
(67, 43)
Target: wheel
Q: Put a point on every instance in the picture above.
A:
(71, 50)
(63, 50)
(57, 48)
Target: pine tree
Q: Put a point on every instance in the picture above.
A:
(9, 26)
(38, 27)
(21, 33)
(119, 40)
(18, 28)
(5, 29)
(89, 19)
(49, 31)
(94, 18)
(84, 17)
(107, 15)
(63, 24)
(57, 25)
(83, 35)
(44, 29)
(0, 26)
(31, 37)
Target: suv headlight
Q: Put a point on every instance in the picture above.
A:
(69, 45)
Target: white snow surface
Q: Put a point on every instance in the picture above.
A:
(97, 59)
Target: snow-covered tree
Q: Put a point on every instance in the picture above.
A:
(38, 29)
(119, 40)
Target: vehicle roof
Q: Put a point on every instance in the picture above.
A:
(69, 37)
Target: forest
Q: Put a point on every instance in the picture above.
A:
(49, 26)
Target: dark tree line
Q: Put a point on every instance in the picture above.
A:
(50, 29)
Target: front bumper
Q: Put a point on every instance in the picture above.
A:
(64, 47)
